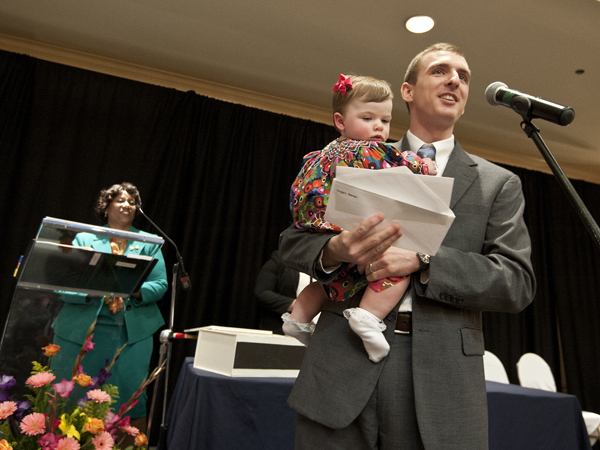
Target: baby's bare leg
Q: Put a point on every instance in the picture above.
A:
(381, 303)
(299, 324)
(309, 302)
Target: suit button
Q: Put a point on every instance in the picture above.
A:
(128, 307)
(391, 317)
(443, 296)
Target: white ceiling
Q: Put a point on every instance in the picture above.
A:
(296, 50)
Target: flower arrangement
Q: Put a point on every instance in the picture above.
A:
(49, 420)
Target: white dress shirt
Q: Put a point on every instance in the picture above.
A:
(443, 150)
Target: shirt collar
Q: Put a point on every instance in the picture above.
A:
(443, 149)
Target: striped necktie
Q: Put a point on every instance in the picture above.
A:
(427, 151)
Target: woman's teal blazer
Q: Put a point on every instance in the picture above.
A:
(142, 316)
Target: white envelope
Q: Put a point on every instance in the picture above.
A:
(419, 203)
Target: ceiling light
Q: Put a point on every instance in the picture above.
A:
(419, 24)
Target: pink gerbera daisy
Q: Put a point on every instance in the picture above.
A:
(7, 408)
(98, 395)
(33, 424)
(68, 444)
(40, 379)
(103, 440)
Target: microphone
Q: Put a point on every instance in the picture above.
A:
(498, 93)
(184, 279)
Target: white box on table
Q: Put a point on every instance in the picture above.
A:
(241, 352)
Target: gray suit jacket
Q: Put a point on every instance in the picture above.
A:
(482, 265)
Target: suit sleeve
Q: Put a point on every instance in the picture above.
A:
(266, 290)
(155, 286)
(301, 250)
(498, 276)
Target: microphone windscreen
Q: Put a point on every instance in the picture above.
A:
(492, 90)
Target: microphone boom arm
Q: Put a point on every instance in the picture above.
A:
(184, 278)
(533, 133)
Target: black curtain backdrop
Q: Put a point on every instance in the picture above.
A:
(215, 176)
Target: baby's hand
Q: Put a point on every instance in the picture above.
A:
(431, 166)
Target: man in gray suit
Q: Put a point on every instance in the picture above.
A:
(429, 392)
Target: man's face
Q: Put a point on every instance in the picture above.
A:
(439, 96)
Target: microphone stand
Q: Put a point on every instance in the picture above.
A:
(533, 133)
(166, 337)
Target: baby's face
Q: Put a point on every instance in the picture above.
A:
(365, 121)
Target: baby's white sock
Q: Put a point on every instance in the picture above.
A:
(301, 331)
(370, 329)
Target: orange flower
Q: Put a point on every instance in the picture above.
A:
(83, 380)
(4, 445)
(94, 426)
(140, 440)
(116, 305)
(51, 350)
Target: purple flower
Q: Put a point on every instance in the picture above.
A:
(4, 396)
(101, 378)
(22, 406)
(7, 381)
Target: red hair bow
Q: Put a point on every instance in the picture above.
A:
(343, 84)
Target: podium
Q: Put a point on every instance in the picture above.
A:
(52, 270)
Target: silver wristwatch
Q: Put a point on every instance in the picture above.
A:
(423, 262)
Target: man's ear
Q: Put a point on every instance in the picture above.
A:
(338, 120)
(406, 92)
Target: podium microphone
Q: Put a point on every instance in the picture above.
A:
(184, 279)
(528, 106)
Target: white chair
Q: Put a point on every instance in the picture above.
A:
(535, 373)
(494, 369)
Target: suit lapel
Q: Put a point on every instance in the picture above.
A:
(460, 166)
(463, 169)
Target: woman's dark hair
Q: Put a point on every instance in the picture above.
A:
(108, 195)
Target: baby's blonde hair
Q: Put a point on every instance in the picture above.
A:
(366, 89)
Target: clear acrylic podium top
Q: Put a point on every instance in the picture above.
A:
(54, 264)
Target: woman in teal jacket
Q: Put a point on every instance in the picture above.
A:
(131, 321)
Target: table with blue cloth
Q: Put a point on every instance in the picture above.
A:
(215, 412)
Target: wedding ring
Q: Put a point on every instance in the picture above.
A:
(371, 268)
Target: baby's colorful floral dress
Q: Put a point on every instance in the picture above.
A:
(310, 192)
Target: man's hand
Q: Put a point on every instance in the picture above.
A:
(395, 262)
(358, 246)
